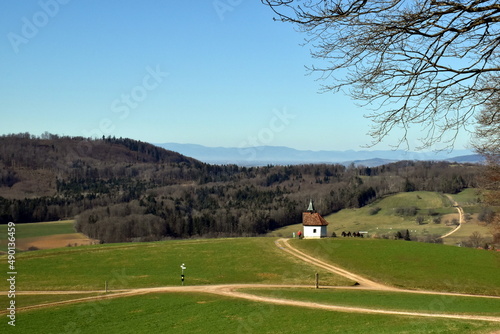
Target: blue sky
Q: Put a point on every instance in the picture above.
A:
(216, 73)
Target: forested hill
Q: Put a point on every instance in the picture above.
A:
(126, 190)
(24, 150)
(32, 166)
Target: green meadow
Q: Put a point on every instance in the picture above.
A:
(387, 222)
(466, 230)
(208, 261)
(285, 232)
(41, 229)
(34, 230)
(253, 260)
(29, 300)
(412, 265)
(203, 313)
(467, 197)
(395, 301)
(408, 265)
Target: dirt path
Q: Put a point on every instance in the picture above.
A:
(362, 281)
(231, 290)
(460, 217)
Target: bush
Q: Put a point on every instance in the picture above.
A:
(476, 239)
(432, 212)
(486, 215)
(402, 235)
(431, 238)
(420, 220)
(408, 211)
(374, 211)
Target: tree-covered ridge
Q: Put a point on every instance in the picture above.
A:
(123, 190)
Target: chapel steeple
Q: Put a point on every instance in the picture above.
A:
(311, 207)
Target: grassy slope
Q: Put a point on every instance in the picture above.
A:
(412, 265)
(199, 313)
(388, 300)
(212, 261)
(387, 222)
(467, 197)
(466, 230)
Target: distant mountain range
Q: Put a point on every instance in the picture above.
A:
(281, 155)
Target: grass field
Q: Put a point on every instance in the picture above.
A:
(28, 300)
(412, 265)
(387, 222)
(286, 231)
(251, 260)
(44, 235)
(467, 197)
(208, 261)
(466, 230)
(200, 313)
(388, 300)
(41, 229)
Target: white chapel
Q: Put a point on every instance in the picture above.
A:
(315, 226)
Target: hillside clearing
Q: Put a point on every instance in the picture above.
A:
(386, 221)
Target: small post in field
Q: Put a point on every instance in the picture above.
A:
(317, 281)
(183, 267)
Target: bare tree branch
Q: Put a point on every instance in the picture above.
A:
(414, 62)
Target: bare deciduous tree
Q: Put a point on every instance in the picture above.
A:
(487, 143)
(476, 239)
(414, 62)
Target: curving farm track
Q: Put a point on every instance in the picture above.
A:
(461, 219)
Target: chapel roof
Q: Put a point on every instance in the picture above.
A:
(313, 219)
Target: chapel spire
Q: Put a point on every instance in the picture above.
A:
(311, 207)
